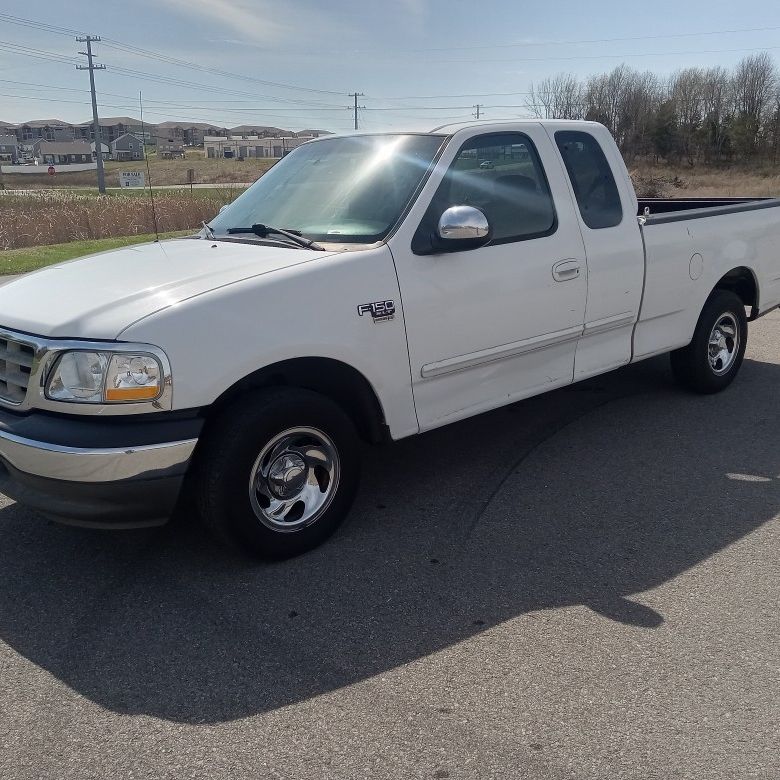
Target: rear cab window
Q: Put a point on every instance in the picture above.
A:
(591, 177)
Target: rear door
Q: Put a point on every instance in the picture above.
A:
(490, 325)
(606, 212)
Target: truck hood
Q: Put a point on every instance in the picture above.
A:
(98, 296)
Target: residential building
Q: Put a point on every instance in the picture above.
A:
(242, 147)
(168, 147)
(308, 134)
(112, 128)
(127, 147)
(188, 133)
(63, 152)
(261, 131)
(9, 149)
(176, 135)
(44, 129)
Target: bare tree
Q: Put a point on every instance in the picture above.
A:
(699, 114)
(558, 97)
(754, 86)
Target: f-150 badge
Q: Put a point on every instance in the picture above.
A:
(380, 311)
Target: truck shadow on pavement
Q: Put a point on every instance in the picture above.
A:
(584, 496)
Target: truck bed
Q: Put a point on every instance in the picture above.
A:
(678, 208)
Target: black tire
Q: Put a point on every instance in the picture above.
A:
(691, 365)
(228, 454)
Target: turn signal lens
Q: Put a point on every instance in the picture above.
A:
(133, 378)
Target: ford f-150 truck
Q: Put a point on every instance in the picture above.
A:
(370, 286)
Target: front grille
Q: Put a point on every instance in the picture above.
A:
(16, 359)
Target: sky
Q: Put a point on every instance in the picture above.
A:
(292, 64)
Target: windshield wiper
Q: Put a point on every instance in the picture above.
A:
(265, 230)
(209, 232)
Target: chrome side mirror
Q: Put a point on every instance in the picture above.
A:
(460, 223)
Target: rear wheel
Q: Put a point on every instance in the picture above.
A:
(278, 472)
(714, 356)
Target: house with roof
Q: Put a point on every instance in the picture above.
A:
(169, 147)
(188, 133)
(127, 147)
(9, 149)
(62, 152)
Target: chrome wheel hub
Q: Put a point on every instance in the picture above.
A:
(724, 344)
(294, 479)
(287, 475)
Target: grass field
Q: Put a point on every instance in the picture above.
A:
(214, 171)
(19, 261)
(57, 216)
(680, 181)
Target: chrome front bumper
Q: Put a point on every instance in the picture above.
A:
(104, 487)
(77, 464)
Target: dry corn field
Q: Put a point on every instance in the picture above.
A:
(57, 217)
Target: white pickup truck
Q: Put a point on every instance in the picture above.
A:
(370, 286)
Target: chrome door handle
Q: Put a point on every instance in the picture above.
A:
(566, 270)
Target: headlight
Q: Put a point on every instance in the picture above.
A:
(105, 377)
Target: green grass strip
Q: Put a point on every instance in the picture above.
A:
(20, 261)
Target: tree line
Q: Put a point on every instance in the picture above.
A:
(698, 115)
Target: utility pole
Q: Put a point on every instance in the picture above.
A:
(91, 67)
(477, 112)
(356, 95)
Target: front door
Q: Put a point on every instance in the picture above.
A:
(490, 325)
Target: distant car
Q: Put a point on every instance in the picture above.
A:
(487, 164)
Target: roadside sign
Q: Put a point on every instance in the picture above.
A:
(51, 170)
(131, 179)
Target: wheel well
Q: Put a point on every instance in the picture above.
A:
(338, 381)
(742, 282)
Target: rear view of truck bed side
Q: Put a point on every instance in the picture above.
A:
(688, 253)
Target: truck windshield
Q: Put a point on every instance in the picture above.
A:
(345, 190)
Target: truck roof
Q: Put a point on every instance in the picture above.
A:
(453, 126)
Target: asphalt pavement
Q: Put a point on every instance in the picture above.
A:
(581, 585)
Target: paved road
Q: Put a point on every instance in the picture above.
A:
(583, 585)
(8, 278)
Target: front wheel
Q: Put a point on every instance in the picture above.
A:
(278, 472)
(714, 356)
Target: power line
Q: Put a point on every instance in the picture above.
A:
(41, 54)
(614, 56)
(526, 44)
(45, 26)
(438, 97)
(193, 65)
(138, 51)
(11, 19)
(137, 74)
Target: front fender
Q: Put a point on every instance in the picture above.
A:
(314, 309)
